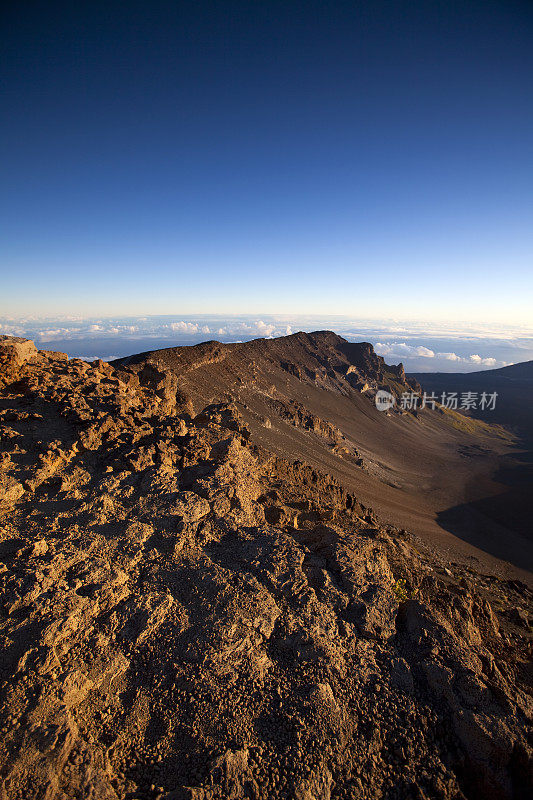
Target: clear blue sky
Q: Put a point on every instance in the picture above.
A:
(366, 158)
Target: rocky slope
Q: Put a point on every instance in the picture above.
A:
(310, 396)
(513, 385)
(186, 613)
(321, 359)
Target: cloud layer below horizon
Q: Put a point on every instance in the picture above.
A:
(420, 345)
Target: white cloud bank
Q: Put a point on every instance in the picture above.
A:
(404, 350)
(421, 345)
(188, 327)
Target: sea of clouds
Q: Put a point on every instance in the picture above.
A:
(420, 345)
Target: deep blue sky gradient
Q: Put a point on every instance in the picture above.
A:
(359, 158)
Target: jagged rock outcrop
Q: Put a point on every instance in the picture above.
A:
(186, 615)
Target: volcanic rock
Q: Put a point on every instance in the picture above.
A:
(186, 613)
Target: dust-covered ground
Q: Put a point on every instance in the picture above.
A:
(185, 614)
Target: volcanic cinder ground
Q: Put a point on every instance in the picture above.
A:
(225, 574)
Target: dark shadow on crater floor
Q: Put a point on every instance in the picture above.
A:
(500, 524)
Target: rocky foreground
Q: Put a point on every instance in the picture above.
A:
(186, 615)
